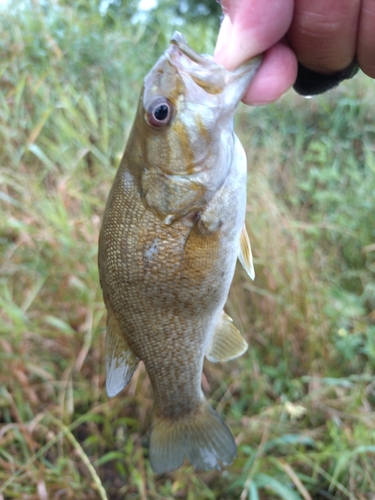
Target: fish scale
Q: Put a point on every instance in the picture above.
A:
(172, 230)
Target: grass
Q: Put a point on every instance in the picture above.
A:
(301, 401)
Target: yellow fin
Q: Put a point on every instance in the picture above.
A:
(120, 361)
(227, 342)
(245, 256)
(202, 437)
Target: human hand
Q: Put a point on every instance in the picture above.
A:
(249, 28)
(324, 35)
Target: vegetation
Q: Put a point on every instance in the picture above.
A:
(301, 401)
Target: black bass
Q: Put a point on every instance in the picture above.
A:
(172, 230)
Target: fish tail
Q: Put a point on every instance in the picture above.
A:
(202, 437)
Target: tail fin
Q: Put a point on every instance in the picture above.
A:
(202, 437)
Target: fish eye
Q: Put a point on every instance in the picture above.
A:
(159, 113)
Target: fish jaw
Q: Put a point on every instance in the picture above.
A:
(228, 86)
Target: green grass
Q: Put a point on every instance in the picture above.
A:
(301, 401)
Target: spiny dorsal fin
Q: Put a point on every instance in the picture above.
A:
(245, 256)
(227, 342)
(120, 361)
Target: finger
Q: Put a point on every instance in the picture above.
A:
(323, 33)
(249, 28)
(366, 38)
(276, 75)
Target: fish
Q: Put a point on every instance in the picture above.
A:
(172, 230)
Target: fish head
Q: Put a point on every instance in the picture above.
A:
(185, 125)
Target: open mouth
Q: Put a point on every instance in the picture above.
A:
(211, 77)
(201, 68)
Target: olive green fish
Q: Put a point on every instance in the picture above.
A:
(172, 230)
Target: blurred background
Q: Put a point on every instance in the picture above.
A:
(301, 401)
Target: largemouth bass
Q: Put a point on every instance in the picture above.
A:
(172, 230)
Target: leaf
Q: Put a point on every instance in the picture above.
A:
(267, 482)
(37, 151)
(253, 491)
(109, 457)
(291, 440)
(59, 324)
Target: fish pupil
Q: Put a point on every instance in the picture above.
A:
(161, 112)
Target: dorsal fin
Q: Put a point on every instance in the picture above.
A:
(245, 256)
(120, 361)
(227, 342)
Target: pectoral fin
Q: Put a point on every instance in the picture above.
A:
(245, 256)
(121, 363)
(227, 342)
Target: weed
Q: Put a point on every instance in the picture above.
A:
(301, 400)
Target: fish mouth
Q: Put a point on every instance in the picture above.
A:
(211, 77)
(178, 40)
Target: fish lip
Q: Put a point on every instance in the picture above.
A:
(212, 77)
(178, 40)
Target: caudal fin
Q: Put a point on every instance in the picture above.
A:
(202, 437)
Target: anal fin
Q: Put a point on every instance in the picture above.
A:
(120, 361)
(245, 256)
(227, 342)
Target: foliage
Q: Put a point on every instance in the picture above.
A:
(182, 11)
(301, 401)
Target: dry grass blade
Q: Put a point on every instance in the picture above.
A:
(83, 456)
(296, 480)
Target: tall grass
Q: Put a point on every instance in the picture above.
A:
(301, 401)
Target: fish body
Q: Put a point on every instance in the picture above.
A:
(172, 230)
